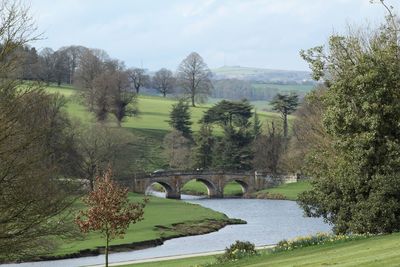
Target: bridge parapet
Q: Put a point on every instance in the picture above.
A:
(215, 181)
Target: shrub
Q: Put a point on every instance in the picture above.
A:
(236, 251)
(318, 239)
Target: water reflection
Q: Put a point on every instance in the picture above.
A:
(268, 221)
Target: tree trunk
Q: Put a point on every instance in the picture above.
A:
(164, 94)
(193, 104)
(285, 126)
(106, 251)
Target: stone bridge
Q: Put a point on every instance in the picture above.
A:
(215, 181)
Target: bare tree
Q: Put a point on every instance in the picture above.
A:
(268, 150)
(31, 196)
(47, 61)
(74, 54)
(17, 28)
(61, 67)
(164, 81)
(138, 78)
(90, 66)
(194, 77)
(177, 150)
(124, 100)
(97, 146)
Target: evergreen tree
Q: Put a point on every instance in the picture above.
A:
(204, 147)
(233, 150)
(180, 118)
(285, 104)
(257, 125)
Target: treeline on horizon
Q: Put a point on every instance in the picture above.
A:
(62, 67)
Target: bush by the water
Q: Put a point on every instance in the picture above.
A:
(318, 239)
(237, 251)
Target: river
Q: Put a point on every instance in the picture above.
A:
(268, 222)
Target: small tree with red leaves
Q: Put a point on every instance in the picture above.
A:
(109, 210)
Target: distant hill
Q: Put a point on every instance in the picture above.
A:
(262, 75)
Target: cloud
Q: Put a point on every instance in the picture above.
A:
(262, 33)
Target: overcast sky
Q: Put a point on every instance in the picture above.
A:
(160, 33)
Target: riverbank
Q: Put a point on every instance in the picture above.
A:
(375, 251)
(268, 222)
(282, 192)
(164, 219)
(184, 229)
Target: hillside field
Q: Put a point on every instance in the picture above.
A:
(149, 127)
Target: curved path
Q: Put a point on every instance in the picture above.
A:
(176, 257)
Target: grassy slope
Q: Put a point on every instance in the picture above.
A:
(377, 251)
(158, 211)
(149, 127)
(154, 111)
(149, 130)
(289, 191)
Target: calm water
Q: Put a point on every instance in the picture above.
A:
(268, 221)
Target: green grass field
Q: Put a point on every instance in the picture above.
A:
(158, 211)
(289, 191)
(148, 128)
(372, 252)
(153, 111)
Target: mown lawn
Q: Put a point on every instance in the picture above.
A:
(153, 110)
(158, 211)
(289, 191)
(372, 252)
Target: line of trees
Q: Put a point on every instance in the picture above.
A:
(79, 66)
(243, 145)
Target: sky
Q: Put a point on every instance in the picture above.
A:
(160, 33)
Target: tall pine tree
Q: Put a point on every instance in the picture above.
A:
(180, 118)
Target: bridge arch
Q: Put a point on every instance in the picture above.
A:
(241, 181)
(212, 189)
(169, 191)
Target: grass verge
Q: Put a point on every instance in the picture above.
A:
(284, 191)
(372, 252)
(163, 219)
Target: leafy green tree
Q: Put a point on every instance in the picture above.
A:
(356, 178)
(285, 104)
(180, 118)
